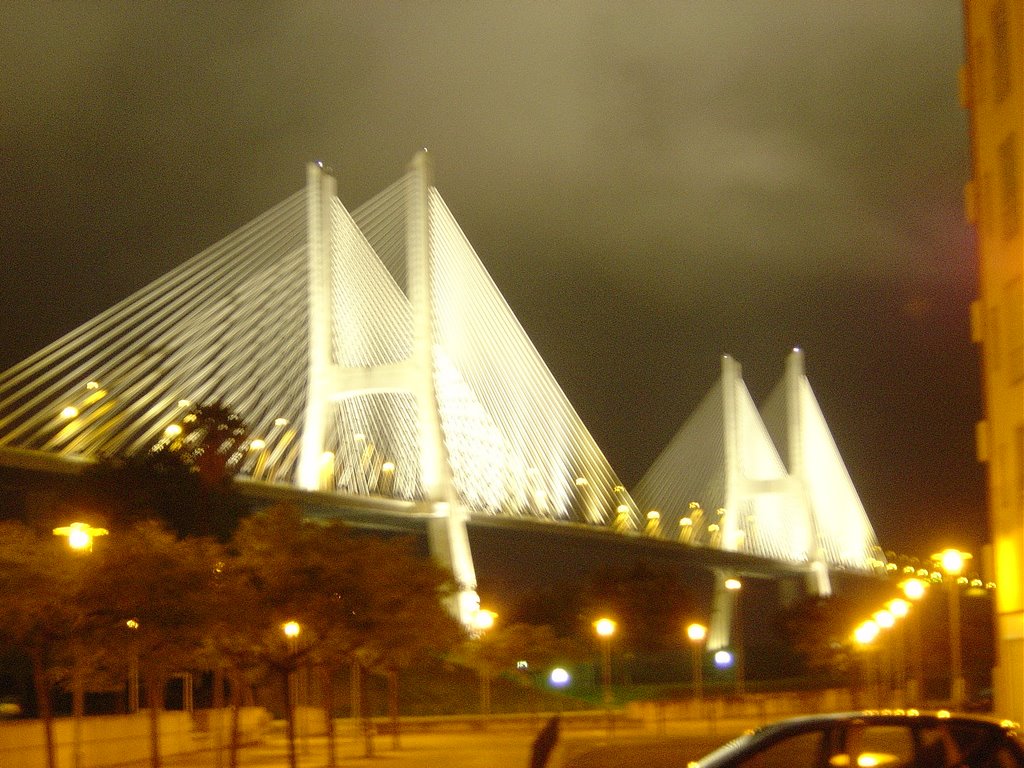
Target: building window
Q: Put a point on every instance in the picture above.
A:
(1009, 185)
(1001, 52)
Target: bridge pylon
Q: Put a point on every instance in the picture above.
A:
(331, 380)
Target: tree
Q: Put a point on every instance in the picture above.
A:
(39, 613)
(358, 599)
(501, 648)
(818, 631)
(649, 604)
(149, 592)
(407, 620)
(184, 479)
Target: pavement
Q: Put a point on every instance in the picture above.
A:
(491, 748)
(480, 749)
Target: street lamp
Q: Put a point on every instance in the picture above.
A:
(914, 589)
(559, 678)
(80, 535)
(291, 630)
(864, 636)
(734, 585)
(697, 634)
(605, 628)
(952, 562)
(483, 621)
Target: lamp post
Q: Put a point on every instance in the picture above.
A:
(483, 621)
(899, 608)
(291, 630)
(864, 636)
(734, 586)
(914, 590)
(80, 537)
(952, 562)
(605, 628)
(885, 620)
(697, 634)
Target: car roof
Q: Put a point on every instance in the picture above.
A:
(888, 716)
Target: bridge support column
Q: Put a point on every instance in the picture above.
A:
(818, 582)
(321, 188)
(447, 533)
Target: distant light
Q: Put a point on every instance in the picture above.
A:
(280, 422)
(388, 466)
(604, 627)
(884, 619)
(359, 436)
(723, 659)
(257, 445)
(952, 560)
(654, 515)
(172, 430)
(622, 509)
(69, 412)
(80, 535)
(559, 677)
(898, 607)
(522, 664)
(696, 632)
(291, 629)
(184, 403)
(733, 584)
(92, 385)
(866, 632)
(320, 163)
(685, 521)
(484, 620)
(326, 457)
(581, 481)
(132, 624)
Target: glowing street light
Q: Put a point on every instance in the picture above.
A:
(483, 621)
(734, 585)
(952, 562)
(292, 630)
(605, 628)
(864, 635)
(80, 535)
(914, 589)
(697, 634)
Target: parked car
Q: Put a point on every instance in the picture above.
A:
(900, 738)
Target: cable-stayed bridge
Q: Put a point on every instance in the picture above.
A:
(373, 358)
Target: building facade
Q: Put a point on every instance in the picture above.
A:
(991, 90)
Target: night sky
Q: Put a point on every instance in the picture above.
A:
(650, 184)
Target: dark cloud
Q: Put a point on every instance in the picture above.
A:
(650, 184)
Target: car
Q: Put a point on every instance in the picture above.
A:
(879, 739)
